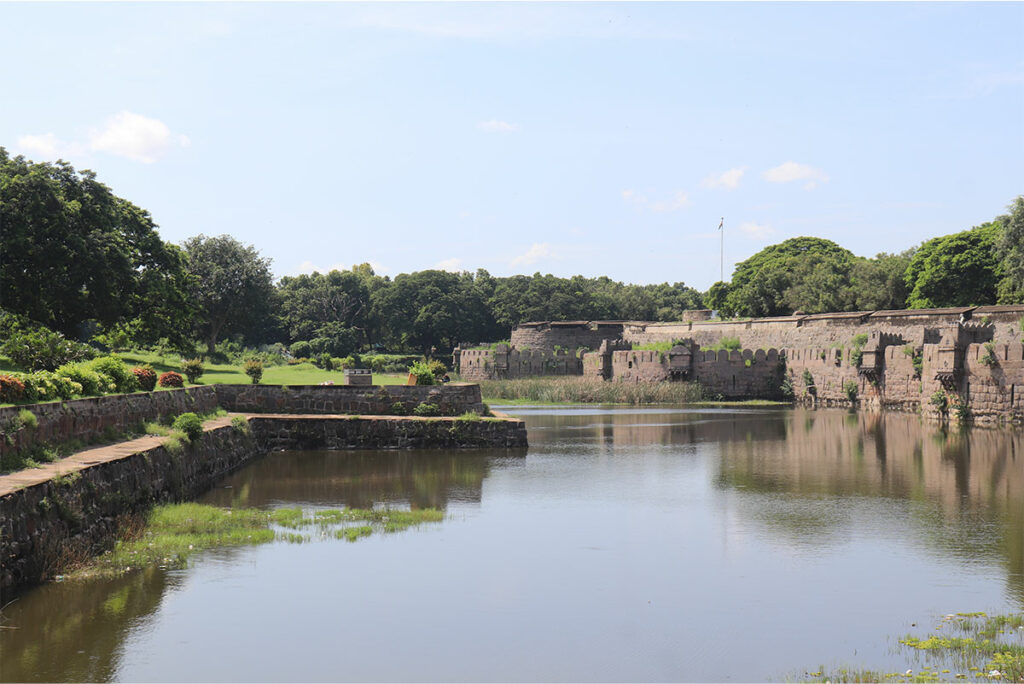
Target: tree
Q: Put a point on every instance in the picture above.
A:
(880, 283)
(308, 302)
(955, 270)
(789, 276)
(72, 252)
(231, 286)
(1010, 250)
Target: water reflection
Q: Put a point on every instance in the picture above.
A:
(964, 489)
(71, 631)
(628, 545)
(359, 479)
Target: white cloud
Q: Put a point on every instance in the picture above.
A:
(136, 137)
(728, 179)
(453, 265)
(497, 126)
(678, 200)
(791, 171)
(757, 231)
(537, 251)
(46, 145)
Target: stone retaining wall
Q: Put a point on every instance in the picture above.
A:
(70, 518)
(309, 433)
(45, 526)
(453, 399)
(87, 419)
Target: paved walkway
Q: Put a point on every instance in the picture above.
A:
(90, 457)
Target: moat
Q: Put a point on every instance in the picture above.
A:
(626, 545)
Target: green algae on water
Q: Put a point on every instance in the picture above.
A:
(962, 646)
(173, 533)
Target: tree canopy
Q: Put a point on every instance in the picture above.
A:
(231, 286)
(74, 253)
(955, 270)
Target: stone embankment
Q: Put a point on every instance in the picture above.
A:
(64, 512)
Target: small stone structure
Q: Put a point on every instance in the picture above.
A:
(358, 376)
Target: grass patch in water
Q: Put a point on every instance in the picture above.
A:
(172, 533)
(580, 390)
(991, 648)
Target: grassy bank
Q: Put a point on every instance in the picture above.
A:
(170, 534)
(965, 646)
(579, 390)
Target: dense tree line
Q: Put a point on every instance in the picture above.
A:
(81, 261)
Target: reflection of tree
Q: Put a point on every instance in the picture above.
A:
(966, 488)
(358, 479)
(74, 631)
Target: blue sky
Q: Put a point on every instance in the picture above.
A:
(599, 139)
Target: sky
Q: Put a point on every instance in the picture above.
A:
(566, 138)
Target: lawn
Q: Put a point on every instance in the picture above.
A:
(228, 374)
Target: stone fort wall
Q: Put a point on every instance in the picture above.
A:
(916, 326)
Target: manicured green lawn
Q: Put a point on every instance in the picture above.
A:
(221, 374)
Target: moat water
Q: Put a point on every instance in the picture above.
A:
(626, 545)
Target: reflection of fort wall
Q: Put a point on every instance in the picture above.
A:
(358, 478)
(970, 475)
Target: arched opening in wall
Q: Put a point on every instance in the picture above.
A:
(630, 364)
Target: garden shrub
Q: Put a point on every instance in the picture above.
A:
(427, 409)
(170, 379)
(113, 367)
(940, 401)
(301, 349)
(60, 386)
(12, 390)
(424, 374)
(92, 384)
(324, 361)
(190, 424)
(193, 369)
(254, 369)
(43, 349)
(399, 409)
(145, 376)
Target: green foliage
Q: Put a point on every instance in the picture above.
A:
(399, 409)
(190, 424)
(427, 372)
(193, 369)
(917, 358)
(43, 349)
(426, 409)
(73, 252)
(324, 362)
(389, 363)
(859, 340)
(787, 387)
(955, 270)
(940, 401)
(113, 367)
(808, 381)
(850, 389)
(231, 287)
(301, 350)
(254, 369)
(170, 379)
(91, 381)
(989, 357)
(1010, 252)
(726, 343)
(663, 347)
(805, 273)
(240, 424)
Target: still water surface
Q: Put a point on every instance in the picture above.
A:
(626, 545)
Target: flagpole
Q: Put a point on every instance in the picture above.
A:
(721, 256)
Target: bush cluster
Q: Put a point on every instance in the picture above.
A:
(428, 372)
(193, 369)
(146, 377)
(170, 379)
(254, 369)
(103, 375)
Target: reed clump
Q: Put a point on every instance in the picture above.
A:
(580, 390)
